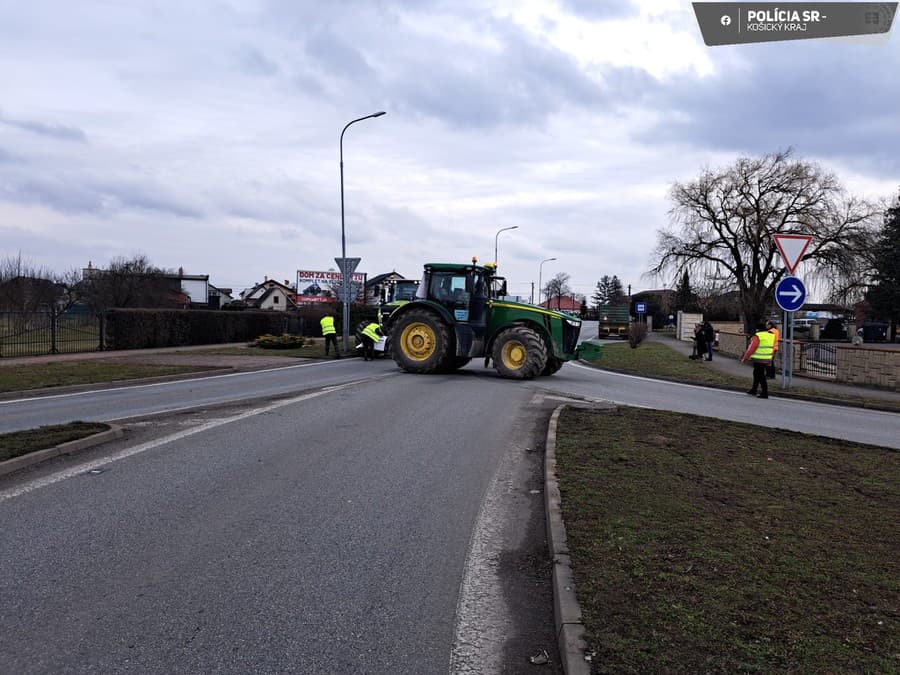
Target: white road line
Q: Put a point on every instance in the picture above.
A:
(163, 384)
(150, 445)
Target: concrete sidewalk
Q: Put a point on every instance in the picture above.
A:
(732, 366)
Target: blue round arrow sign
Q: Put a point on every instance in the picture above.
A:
(790, 294)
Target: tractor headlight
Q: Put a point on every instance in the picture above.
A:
(574, 324)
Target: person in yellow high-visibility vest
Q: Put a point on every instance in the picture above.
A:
(370, 335)
(760, 351)
(330, 334)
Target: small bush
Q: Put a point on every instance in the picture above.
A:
(636, 334)
(286, 341)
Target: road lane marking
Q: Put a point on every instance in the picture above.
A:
(169, 383)
(150, 445)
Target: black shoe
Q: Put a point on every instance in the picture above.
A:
(763, 396)
(752, 392)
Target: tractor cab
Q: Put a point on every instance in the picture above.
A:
(462, 289)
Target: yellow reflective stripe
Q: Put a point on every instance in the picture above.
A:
(540, 310)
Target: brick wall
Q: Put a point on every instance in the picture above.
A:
(869, 366)
(864, 366)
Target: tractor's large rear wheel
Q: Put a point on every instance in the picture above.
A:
(421, 342)
(519, 353)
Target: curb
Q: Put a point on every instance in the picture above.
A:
(566, 610)
(16, 463)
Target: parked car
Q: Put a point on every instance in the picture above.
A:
(874, 332)
(804, 325)
(835, 329)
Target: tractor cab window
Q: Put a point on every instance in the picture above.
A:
(449, 289)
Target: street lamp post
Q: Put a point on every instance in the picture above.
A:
(502, 229)
(345, 278)
(540, 276)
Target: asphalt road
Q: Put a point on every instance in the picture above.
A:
(345, 517)
(353, 530)
(864, 426)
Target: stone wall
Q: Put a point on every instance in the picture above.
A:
(864, 366)
(869, 366)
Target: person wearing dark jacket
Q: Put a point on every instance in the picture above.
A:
(709, 335)
(699, 341)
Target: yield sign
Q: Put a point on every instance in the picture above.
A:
(792, 247)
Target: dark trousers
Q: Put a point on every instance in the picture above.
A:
(331, 339)
(760, 382)
(368, 347)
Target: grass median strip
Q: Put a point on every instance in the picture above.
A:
(35, 376)
(20, 443)
(706, 546)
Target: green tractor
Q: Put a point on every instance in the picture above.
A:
(458, 315)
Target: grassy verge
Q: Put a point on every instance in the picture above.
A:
(655, 359)
(20, 443)
(34, 376)
(705, 546)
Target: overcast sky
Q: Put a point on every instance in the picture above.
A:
(205, 134)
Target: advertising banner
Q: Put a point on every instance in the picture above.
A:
(317, 286)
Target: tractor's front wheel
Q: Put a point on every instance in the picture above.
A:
(421, 342)
(519, 353)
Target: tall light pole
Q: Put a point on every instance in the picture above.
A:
(502, 229)
(345, 278)
(540, 275)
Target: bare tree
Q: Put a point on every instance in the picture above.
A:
(126, 282)
(25, 287)
(557, 286)
(723, 223)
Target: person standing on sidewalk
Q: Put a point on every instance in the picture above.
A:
(709, 335)
(770, 371)
(330, 334)
(760, 353)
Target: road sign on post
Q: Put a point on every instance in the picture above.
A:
(790, 294)
(347, 266)
(792, 247)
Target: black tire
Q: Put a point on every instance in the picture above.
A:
(519, 353)
(553, 365)
(421, 342)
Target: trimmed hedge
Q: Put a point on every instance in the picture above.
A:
(152, 328)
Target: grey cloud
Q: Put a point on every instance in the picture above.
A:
(771, 106)
(329, 50)
(57, 131)
(68, 195)
(8, 157)
(607, 9)
(522, 83)
(254, 62)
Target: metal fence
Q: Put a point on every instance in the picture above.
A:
(50, 332)
(818, 358)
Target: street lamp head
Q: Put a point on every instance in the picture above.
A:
(379, 114)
